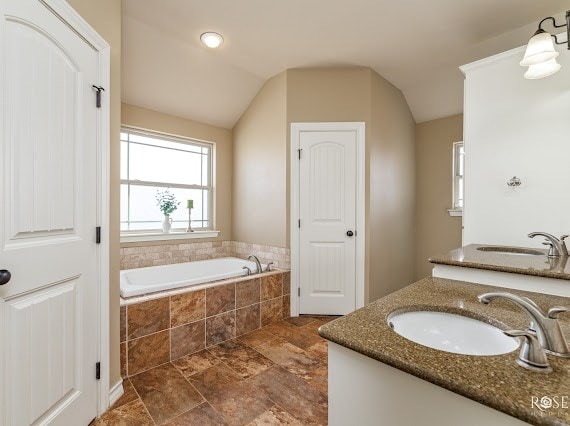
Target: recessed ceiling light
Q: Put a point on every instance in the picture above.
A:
(212, 40)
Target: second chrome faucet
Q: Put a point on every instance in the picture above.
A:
(557, 245)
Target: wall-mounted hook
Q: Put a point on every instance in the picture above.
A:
(514, 181)
(99, 89)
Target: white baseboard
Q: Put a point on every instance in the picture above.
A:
(116, 392)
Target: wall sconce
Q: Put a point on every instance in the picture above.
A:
(540, 55)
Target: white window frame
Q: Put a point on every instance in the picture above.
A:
(456, 209)
(178, 233)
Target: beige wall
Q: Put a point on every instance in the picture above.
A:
(436, 231)
(262, 163)
(222, 138)
(262, 143)
(391, 156)
(325, 94)
(260, 174)
(105, 17)
(328, 94)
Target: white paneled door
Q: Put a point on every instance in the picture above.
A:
(48, 216)
(327, 228)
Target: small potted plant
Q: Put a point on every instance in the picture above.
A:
(166, 202)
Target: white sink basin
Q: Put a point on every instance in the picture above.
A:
(452, 333)
(513, 251)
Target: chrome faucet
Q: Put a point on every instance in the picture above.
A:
(531, 355)
(268, 267)
(557, 245)
(546, 326)
(247, 270)
(257, 262)
(558, 264)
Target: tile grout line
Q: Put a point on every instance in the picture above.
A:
(142, 402)
(138, 338)
(199, 393)
(264, 393)
(170, 328)
(126, 340)
(246, 380)
(261, 328)
(148, 369)
(227, 365)
(296, 375)
(205, 320)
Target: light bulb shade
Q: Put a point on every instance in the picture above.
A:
(212, 40)
(540, 49)
(542, 70)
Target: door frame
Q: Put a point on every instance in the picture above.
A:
(75, 21)
(360, 129)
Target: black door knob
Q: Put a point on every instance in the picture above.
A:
(5, 276)
(349, 233)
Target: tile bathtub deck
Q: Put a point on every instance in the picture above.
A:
(271, 376)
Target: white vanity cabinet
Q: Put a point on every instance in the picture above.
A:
(507, 280)
(365, 392)
(515, 127)
(517, 268)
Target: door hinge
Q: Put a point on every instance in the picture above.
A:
(299, 152)
(299, 291)
(299, 223)
(98, 371)
(99, 89)
(98, 235)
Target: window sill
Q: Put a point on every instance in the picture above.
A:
(455, 212)
(161, 236)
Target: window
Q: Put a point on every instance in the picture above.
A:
(152, 162)
(458, 180)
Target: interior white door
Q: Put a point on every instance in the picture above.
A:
(48, 180)
(327, 210)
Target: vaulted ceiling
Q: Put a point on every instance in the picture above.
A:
(416, 45)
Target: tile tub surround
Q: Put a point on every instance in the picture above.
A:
(162, 327)
(538, 266)
(165, 254)
(280, 256)
(495, 381)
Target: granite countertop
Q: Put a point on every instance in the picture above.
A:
(496, 381)
(538, 265)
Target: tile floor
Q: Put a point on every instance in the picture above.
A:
(272, 376)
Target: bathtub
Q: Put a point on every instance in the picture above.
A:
(139, 281)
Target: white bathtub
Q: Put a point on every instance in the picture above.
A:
(139, 281)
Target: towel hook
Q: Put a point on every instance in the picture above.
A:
(514, 181)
